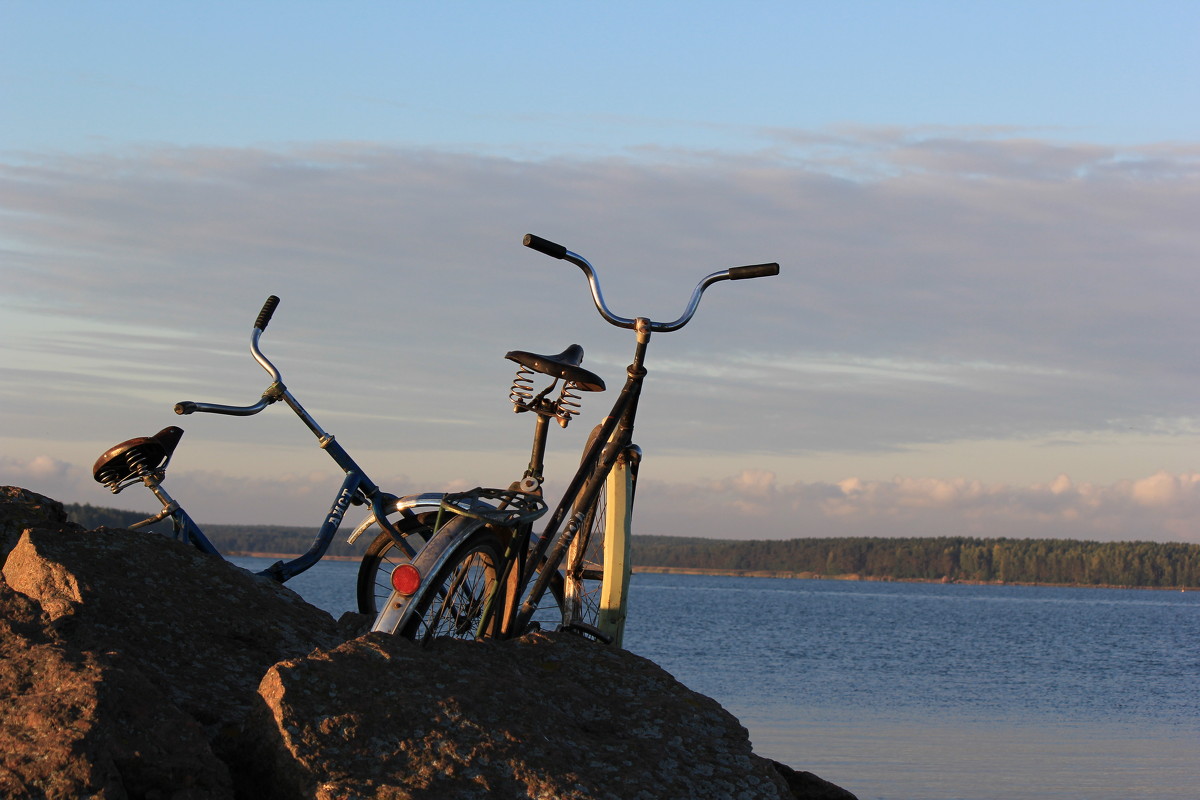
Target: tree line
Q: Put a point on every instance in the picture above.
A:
(1056, 561)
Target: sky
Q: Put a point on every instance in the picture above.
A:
(985, 216)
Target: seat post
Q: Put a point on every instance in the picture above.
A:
(532, 481)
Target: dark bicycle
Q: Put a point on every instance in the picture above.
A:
(484, 571)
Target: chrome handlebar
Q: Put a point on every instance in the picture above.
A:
(733, 273)
(273, 393)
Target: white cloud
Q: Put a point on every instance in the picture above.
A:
(47, 475)
(1157, 507)
(46, 468)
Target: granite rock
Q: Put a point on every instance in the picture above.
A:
(545, 716)
(132, 666)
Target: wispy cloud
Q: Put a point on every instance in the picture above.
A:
(938, 285)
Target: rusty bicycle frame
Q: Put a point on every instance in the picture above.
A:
(530, 565)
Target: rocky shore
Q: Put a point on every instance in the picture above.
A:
(134, 667)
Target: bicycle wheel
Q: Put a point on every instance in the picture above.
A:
(583, 568)
(550, 614)
(454, 601)
(384, 555)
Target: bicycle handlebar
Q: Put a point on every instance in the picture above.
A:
(733, 273)
(274, 392)
(191, 407)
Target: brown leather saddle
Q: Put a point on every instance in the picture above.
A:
(121, 462)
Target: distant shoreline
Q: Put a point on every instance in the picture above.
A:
(758, 573)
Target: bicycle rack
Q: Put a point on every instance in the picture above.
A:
(507, 508)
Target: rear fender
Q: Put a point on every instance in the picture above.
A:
(395, 614)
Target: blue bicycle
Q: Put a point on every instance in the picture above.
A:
(144, 460)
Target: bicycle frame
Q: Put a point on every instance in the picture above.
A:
(611, 445)
(599, 469)
(357, 487)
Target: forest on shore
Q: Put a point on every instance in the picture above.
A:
(1036, 561)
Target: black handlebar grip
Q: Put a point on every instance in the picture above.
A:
(544, 246)
(753, 271)
(186, 407)
(264, 316)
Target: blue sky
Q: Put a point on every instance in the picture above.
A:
(985, 215)
(582, 76)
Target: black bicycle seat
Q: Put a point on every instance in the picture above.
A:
(565, 365)
(120, 461)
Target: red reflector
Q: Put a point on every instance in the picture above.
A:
(406, 579)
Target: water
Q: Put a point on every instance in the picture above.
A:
(929, 691)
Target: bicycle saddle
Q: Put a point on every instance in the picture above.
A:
(565, 365)
(120, 462)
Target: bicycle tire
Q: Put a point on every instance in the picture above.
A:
(595, 590)
(582, 572)
(383, 555)
(550, 614)
(453, 602)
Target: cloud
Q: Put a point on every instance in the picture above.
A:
(938, 285)
(755, 505)
(752, 504)
(47, 468)
(1175, 492)
(48, 476)
(869, 153)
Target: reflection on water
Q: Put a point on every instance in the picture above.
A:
(925, 691)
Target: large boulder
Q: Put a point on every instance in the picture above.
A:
(132, 666)
(203, 630)
(86, 724)
(546, 716)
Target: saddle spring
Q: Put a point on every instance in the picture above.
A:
(524, 398)
(568, 404)
(135, 466)
(521, 393)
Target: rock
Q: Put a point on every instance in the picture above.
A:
(77, 724)
(41, 697)
(200, 628)
(132, 666)
(549, 715)
(806, 786)
(21, 509)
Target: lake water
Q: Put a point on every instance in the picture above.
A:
(928, 691)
